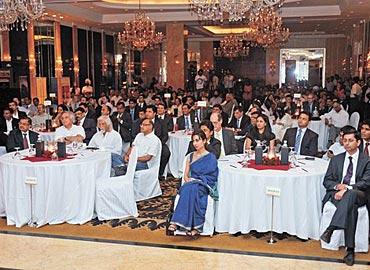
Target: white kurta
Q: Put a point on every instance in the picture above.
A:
(111, 141)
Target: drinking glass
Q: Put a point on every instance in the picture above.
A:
(17, 155)
(32, 150)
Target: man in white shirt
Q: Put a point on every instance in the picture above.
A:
(69, 132)
(335, 119)
(225, 136)
(16, 112)
(40, 117)
(148, 146)
(347, 183)
(200, 82)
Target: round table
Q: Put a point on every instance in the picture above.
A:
(65, 190)
(244, 205)
(178, 143)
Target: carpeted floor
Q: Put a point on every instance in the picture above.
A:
(149, 229)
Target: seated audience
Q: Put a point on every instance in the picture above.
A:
(261, 132)
(347, 183)
(22, 137)
(213, 145)
(7, 124)
(225, 136)
(40, 117)
(365, 136)
(303, 139)
(122, 123)
(161, 114)
(88, 124)
(200, 180)
(69, 132)
(108, 139)
(187, 119)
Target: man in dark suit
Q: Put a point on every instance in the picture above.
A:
(16, 112)
(213, 145)
(200, 112)
(347, 183)
(310, 105)
(89, 113)
(187, 119)
(225, 136)
(136, 124)
(217, 108)
(161, 114)
(22, 137)
(239, 124)
(133, 109)
(365, 137)
(88, 124)
(161, 131)
(122, 123)
(7, 124)
(303, 139)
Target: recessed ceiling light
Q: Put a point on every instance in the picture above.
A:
(54, 15)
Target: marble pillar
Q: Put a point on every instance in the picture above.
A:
(272, 65)
(175, 55)
(76, 63)
(5, 49)
(31, 60)
(58, 61)
(151, 64)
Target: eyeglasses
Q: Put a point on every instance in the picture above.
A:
(145, 125)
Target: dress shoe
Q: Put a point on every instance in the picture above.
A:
(349, 259)
(326, 236)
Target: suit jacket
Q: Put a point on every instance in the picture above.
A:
(89, 126)
(306, 106)
(15, 139)
(214, 147)
(124, 124)
(3, 127)
(91, 114)
(225, 118)
(168, 121)
(309, 144)
(202, 112)
(136, 112)
(229, 142)
(334, 175)
(181, 121)
(244, 123)
(361, 147)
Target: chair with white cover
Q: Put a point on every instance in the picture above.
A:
(146, 182)
(337, 239)
(354, 120)
(115, 196)
(209, 223)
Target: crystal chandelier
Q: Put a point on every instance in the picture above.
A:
(19, 12)
(267, 29)
(139, 33)
(231, 10)
(231, 46)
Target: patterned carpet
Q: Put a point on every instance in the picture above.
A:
(152, 213)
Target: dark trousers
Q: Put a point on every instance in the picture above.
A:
(165, 157)
(345, 217)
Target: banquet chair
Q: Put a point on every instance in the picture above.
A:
(146, 182)
(115, 196)
(209, 223)
(337, 239)
(354, 120)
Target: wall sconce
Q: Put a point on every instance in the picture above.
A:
(272, 68)
(368, 61)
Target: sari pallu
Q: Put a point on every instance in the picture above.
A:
(192, 204)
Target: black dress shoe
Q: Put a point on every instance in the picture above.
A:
(326, 236)
(349, 259)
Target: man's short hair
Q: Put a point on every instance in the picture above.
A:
(153, 107)
(150, 121)
(352, 130)
(208, 124)
(365, 122)
(79, 109)
(120, 103)
(218, 106)
(8, 109)
(306, 113)
(132, 100)
(26, 118)
(239, 108)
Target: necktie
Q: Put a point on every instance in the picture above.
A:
(78, 122)
(348, 176)
(25, 141)
(238, 125)
(366, 152)
(132, 114)
(298, 141)
(186, 123)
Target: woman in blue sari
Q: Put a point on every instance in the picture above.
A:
(200, 178)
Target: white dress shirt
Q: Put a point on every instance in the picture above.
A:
(346, 163)
(9, 126)
(62, 132)
(110, 141)
(218, 136)
(336, 149)
(300, 140)
(337, 119)
(148, 145)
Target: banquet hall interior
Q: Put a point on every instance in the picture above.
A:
(184, 134)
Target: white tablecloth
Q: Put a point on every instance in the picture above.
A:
(178, 143)
(46, 136)
(244, 206)
(65, 190)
